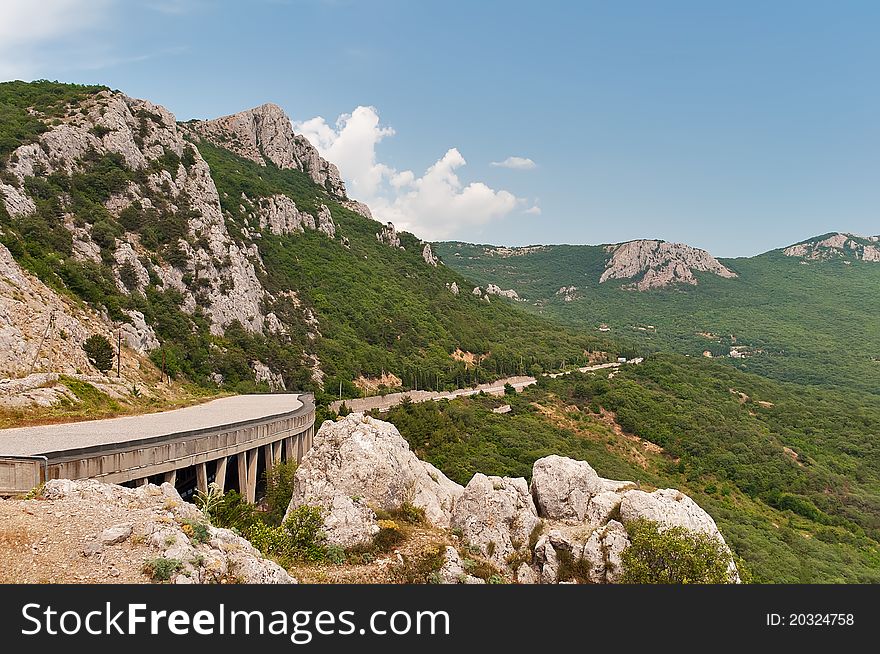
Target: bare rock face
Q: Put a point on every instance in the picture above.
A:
(603, 551)
(358, 207)
(360, 457)
(496, 515)
(658, 264)
(837, 246)
(510, 294)
(428, 256)
(137, 334)
(264, 133)
(563, 487)
(141, 133)
(280, 215)
(453, 572)
(668, 508)
(567, 293)
(453, 288)
(262, 373)
(389, 236)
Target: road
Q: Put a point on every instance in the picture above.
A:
(492, 388)
(29, 441)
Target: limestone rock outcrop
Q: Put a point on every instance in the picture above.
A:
(496, 515)
(364, 458)
(428, 256)
(493, 289)
(388, 235)
(837, 246)
(657, 264)
(265, 132)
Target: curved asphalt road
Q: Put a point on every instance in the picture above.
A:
(29, 441)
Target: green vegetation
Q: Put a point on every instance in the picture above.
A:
(673, 556)
(162, 569)
(383, 309)
(790, 475)
(99, 351)
(813, 324)
(46, 100)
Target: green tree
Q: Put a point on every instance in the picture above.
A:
(99, 352)
(673, 556)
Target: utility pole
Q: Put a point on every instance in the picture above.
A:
(163, 365)
(119, 353)
(43, 340)
(340, 389)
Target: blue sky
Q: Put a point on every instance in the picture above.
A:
(738, 127)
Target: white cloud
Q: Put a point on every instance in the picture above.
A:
(435, 205)
(26, 26)
(534, 210)
(516, 163)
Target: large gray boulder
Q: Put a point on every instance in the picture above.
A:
(496, 515)
(668, 508)
(563, 487)
(358, 465)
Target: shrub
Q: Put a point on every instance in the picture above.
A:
(197, 531)
(673, 556)
(161, 569)
(99, 352)
(304, 528)
(389, 535)
(509, 389)
(279, 490)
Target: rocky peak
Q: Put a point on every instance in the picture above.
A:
(389, 236)
(658, 264)
(837, 246)
(265, 133)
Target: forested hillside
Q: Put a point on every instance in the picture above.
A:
(240, 273)
(790, 474)
(811, 321)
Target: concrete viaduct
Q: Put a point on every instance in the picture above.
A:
(229, 441)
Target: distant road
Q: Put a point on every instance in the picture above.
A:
(492, 388)
(29, 441)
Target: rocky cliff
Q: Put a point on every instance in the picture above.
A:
(360, 465)
(848, 247)
(264, 134)
(658, 264)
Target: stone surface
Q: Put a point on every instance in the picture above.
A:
(388, 235)
(452, 571)
(364, 458)
(496, 515)
(265, 131)
(658, 264)
(837, 246)
(428, 256)
(158, 525)
(562, 487)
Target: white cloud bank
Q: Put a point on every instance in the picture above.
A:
(516, 163)
(435, 205)
(27, 26)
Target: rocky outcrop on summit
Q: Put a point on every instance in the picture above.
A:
(837, 246)
(265, 132)
(657, 264)
(359, 465)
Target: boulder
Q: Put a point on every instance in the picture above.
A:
(359, 464)
(563, 487)
(453, 572)
(603, 551)
(668, 508)
(496, 515)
